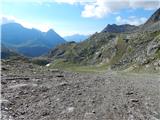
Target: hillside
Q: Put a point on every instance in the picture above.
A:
(117, 49)
(29, 42)
(119, 28)
(7, 53)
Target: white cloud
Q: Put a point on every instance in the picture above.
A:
(95, 10)
(41, 26)
(146, 4)
(100, 8)
(132, 20)
(67, 1)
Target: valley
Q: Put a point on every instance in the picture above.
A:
(113, 74)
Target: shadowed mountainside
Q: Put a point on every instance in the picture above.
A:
(29, 42)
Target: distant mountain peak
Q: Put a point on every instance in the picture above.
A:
(153, 23)
(50, 31)
(118, 28)
(135, 48)
(154, 18)
(29, 42)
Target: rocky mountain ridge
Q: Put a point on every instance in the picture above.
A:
(154, 18)
(119, 28)
(119, 49)
(29, 42)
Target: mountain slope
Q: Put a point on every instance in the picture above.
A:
(154, 18)
(153, 23)
(118, 50)
(7, 53)
(30, 42)
(119, 28)
(50, 35)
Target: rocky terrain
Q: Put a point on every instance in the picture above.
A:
(32, 92)
(118, 46)
(101, 83)
(119, 28)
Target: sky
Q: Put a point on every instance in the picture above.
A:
(68, 17)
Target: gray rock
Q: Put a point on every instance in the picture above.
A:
(153, 47)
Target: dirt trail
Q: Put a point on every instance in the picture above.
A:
(59, 95)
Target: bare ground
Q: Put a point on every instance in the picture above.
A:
(49, 94)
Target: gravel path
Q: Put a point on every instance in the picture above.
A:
(59, 95)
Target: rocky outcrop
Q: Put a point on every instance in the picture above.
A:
(154, 18)
(153, 23)
(119, 28)
(152, 47)
(118, 46)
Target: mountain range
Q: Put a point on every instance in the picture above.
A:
(117, 46)
(76, 37)
(119, 28)
(29, 42)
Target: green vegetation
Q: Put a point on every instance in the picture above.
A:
(41, 62)
(121, 47)
(156, 33)
(129, 49)
(60, 64)
(119, 51)
(157, 55)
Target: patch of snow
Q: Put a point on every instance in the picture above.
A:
(48, 65)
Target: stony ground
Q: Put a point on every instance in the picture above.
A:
(37, 93)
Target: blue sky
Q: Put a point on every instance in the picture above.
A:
(68, 17)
